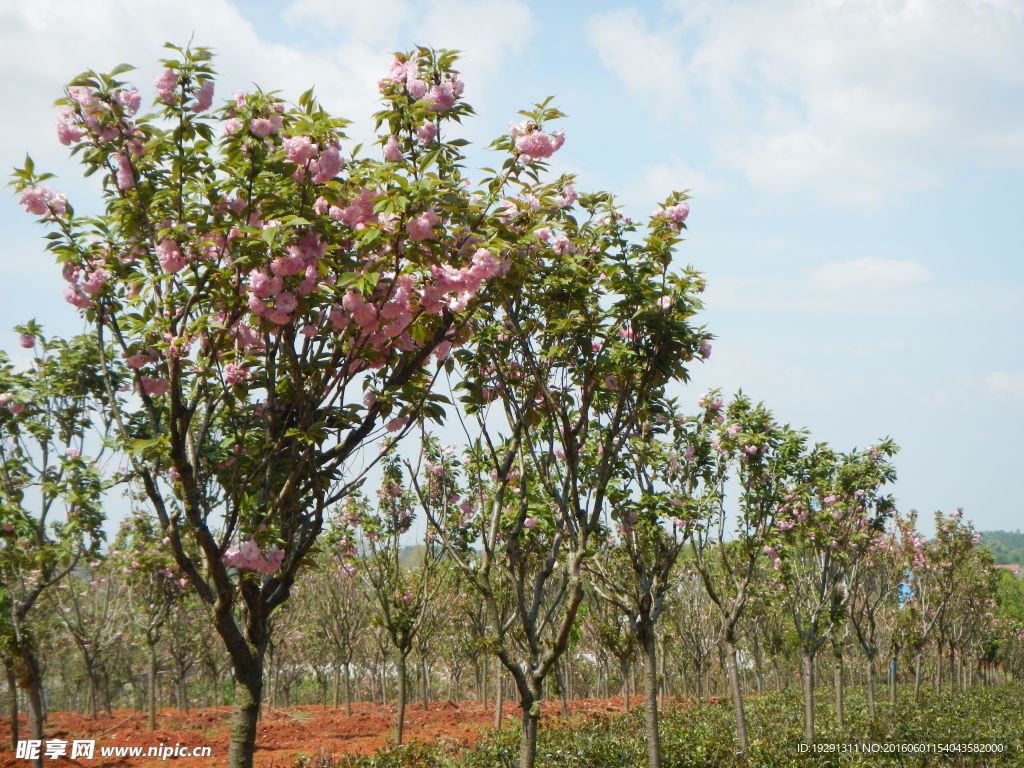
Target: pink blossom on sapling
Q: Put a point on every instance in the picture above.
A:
(204, 98)
(153, 386)
(427, 132)
(392, 152)
(166, 83)
(422, 226)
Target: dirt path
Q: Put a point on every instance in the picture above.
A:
(284, 735)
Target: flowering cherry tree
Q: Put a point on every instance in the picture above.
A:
(52, 423)
(729, 551)
(830, 520)
(399, 591)
(661, 493)
(872, 591)
(154, 583)
(934, 572)
(586, 331)
(280, 299)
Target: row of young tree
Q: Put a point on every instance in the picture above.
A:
(283, 334)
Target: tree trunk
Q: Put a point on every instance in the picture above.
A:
(837, 677)
(425, 673)
(732, 670)
(870, 670)
(647, 640)
(758, 674)
(917, 674)
(335, 685)
(400, 718)
(246, 714)
(152, 686)
(499, 698)
(893, 673)
(12, 701)
(807, 657)
(348, 690)
(530, 702)
(624, 667)
(482, 683)
(560, 681)
(32, 682)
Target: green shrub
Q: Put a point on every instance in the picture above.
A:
(702, 736)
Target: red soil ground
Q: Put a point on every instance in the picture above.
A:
(284, 735)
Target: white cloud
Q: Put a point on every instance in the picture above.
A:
(869, 274)
(654, 183)
(855, 102)
(372, 23)
(648, 63)
(1004, 384)
(488, 32)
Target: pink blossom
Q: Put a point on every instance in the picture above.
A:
(95, 281)
(129, 99)
(169, 255)
(676, 213)
(416, 87)
(263, 285)
(236, 373)
(67, 132)
(262, 127)
(16, 408)
(299, 150)
(27, 341)
(427, 132)
(204, 98)
(73, 295)
(166, 83)
(72, 453)
(442, 95)
(530, 522)
(705, 349)
(567, 197)
(231, 126)
(43, 201)
(328, 165)
(392, 152)
(153, 386)
(421, 227)
(125, 172)
(533, 144)
(286, 302)
(397, 423)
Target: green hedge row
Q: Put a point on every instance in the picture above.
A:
(702, 736)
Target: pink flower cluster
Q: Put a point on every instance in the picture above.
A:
(84, 284)
(676, 213)
(250, 557)
(439, 96)
(43, 201)
(166, 84)
(289, 278)
(7, 403)
(319, 164)
(532, 143)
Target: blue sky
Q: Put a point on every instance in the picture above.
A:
(855, 168)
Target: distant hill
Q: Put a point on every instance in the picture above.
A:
(1007, 547)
